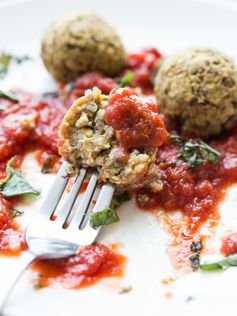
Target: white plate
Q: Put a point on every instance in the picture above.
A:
(168, 25)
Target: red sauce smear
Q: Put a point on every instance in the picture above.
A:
(86, 268)
(50, 163)
(196, 191)
(229, 244)
(11, 236)
(136, 123)
(143, 65)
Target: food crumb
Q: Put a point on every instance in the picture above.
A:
(125, 290)
(168, 280)
(168, 295)
(38, 286)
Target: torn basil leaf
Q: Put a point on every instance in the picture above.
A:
(15, 184)
(195, 152)
(220, 264)
(195, 261)
(47, 165)
(119, 199)
(105, 217)
(8, 96)
(196, 246)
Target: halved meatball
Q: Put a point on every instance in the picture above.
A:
(86, 140)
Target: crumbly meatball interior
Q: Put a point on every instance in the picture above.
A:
(79, 43)
(85, 140)
(198, 86)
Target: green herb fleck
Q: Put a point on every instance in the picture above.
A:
(195, 261)
(5, 60)
(125, 290)
(15, 213)
(21, 59)
(175, 138)
(47, 165)
(119, 199)
(189, 299)
(220, 264)
(105, 217)
(126, 79)
(196, 246)
(8, 96)
(38, 286)
(195, 152)
(15, 184)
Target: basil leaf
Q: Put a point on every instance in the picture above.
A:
(47, 165)
(126, 79)
(220, 264)
(195, 261)
(195, 152)
(196, 246)
(8, 96)
(119, 199)
(15, 184)
(105, 217)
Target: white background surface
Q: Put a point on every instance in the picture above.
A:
(168, 25)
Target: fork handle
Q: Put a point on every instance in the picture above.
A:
(24, 260)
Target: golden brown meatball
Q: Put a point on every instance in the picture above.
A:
(80, 43)
(198, 86)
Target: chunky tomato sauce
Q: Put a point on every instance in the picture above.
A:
(87, 268)
(229, 244)
(196, 191)
(11, 236)
(136, 123)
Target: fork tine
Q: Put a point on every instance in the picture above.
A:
(85, 201)
(65, 211)
(104, 198)
(88, 235)
(55, 192)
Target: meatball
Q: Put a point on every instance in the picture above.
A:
(86, 140)
(80, 43)
(198, 86)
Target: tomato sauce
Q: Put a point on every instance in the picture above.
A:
(229, 244)
(197, 191)
(136, 123)
(91, 264)
(11, 236)
(143, 65)
(34, 120)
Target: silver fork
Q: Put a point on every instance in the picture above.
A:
(49, 238)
